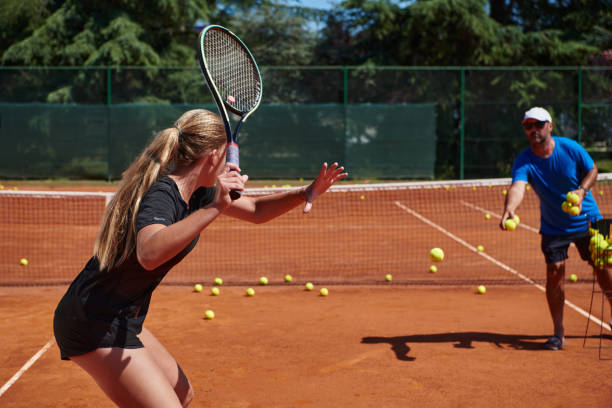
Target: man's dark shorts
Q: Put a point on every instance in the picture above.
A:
(555, 247)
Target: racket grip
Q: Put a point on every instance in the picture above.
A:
(232, 156)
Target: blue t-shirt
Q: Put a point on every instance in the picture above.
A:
(552, 178)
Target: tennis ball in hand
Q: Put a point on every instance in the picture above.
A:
(250, 292)
(433, 269)
(436, 254)
(574, 211)
(218, 281)
(516, 219)
(510, 224)
(324, 292)
(309, 286)
(572, 198)
(573, 277)
(23, 262)
(388, 277)
(215, 291)
(288, 278)
(197, 287)
(263, 280)
(565, 206)
(209, 314)
(481, 289)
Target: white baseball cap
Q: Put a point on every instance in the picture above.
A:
(537, 113)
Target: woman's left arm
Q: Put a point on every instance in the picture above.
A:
(264, 208)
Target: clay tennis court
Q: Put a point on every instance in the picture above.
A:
(422, 340)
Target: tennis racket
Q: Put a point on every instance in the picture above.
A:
(233, 79)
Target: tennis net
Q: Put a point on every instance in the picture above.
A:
(355, 234)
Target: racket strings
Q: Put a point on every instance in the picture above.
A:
(233, 70)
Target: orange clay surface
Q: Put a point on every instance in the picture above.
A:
(361, 346)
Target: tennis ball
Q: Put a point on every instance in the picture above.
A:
(433, 269)
(504, 191)
(215, 291)
(480, 248)
(309, 286)
(572, 198)
(574, 211)
(573, 277)
(263, 280)
(516, 219)
(592, 231)
(250, 292)
(565, 206)
(481, 289)
(209, 314)
(23, 262)
(362, 197)
(324, 292)
(388, 277)
(510, 224)
(218, 281)
(197, 287)
(487, 216)
(436, 254)
(288, 278)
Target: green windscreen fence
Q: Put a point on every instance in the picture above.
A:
(280, 141)
(380, 122)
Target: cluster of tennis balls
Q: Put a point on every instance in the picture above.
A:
(600, 247)
(570, 205)
(214, 291)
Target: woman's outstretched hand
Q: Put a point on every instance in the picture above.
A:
(326, 178)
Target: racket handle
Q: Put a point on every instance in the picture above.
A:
(233, 157)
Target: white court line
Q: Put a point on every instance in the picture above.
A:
(25, 367)
(498, 263)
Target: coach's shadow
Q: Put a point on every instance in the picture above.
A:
(399, 344)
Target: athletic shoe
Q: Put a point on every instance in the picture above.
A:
(554, 343)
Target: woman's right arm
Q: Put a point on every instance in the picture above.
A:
(158, 243)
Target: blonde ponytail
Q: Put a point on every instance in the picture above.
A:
(196, 132)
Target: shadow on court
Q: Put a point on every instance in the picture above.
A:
(400, 344)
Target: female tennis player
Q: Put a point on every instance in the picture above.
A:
(177, 186)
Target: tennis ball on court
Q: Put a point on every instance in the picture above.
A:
(215, 291)
(218, 281)
(388, 277)
(433, 269)
(487, 216)
(324, 292)
(572, 198)
(288, 278)
(601, 192)
(481, 289)
(250, 292)
(309, 286)
(23, 262)
(362, 197)
(436, 254)
(263, 280)
(573, 277)
(209, 314)
(480, 248)
(197, 287)
(504, 191)
(510, 224)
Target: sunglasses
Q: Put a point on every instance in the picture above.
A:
(537, 125)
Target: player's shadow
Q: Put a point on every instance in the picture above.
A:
(400, 344)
